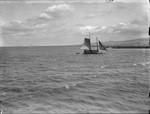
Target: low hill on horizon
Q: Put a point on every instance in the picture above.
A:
(133, 42)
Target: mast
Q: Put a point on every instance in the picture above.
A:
(97, 43)
(149, 36)
(89, 35)
(90, 39)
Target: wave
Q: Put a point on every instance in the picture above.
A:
(11, 89)
(6, 104)
(141, 64)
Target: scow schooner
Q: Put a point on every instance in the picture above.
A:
(88, 48)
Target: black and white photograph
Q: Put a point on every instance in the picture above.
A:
(74, 56)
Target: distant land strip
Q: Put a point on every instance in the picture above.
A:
(116, 46)
(126, 47)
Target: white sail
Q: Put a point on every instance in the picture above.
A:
(86, 45)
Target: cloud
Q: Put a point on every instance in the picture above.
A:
(61, 7)
(95, 29)
(45, 16)
(59, 11)
(135, 28)
(88, 28)
(1, 22)
(15, 25)
(53, 13)
(142, 21)
(89, 17)
(130, 0)
(42, 26)
(15, 28)
(115, 9)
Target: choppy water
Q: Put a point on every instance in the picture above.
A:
(56, 80)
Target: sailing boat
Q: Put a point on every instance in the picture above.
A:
(88, 48)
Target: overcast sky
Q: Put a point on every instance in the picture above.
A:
(68, 22)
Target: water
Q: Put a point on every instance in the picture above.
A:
(56, 80)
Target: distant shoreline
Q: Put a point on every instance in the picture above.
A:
(126, 47)
(119, 47)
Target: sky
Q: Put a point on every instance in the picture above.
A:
(58, 22)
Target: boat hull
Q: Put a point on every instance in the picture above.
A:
(91, 52)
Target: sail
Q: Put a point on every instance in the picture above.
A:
(86, 45)
(101, 47)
